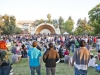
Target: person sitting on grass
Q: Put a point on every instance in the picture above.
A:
(98, 55)
(13, 49)
(60, 52)
(67, 57)
(18, 50)
(16, 58)
(24, 51)
(92, 61)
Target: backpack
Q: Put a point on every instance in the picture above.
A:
(97, 68)
(2, 56)
(77, 44)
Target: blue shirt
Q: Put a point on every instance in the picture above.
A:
(34, 55)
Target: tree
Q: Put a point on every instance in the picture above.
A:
(61, 20)
(41, 21)
(94, 15)
(78, 22)
(12, 23)
(17, 30)
(37, 23)
(78, 30)
(1, 23)
(68, 25)
(49, 18)
(6, 27)
(55, 23)
(9, 24)
(83, 27)
(12, 20)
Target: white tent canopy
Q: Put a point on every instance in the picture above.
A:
(65, 33)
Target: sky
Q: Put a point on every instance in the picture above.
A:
(38, 9)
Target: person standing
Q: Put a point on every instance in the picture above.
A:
(72, 41)
(5, 65)
(50, 57)
(81, 59)
(98, 44)
(35, 59)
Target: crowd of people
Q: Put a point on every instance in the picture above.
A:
(56, 49)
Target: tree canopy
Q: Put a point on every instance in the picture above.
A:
(8, 24)
(83, 28)
(94, 15)
(68, 25)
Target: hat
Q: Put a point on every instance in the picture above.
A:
(91, 53)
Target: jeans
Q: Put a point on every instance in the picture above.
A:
(50, 69)
(97, 47)
(72, 47)
(37, 68)
(80, 72)
(5, 70)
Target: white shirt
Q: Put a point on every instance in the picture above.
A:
(98, 41)
(15, 58)
(83, 67)
(86, 39)
(92, 62)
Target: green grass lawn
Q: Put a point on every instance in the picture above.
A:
(22, 68)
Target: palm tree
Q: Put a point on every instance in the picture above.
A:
(49, 18)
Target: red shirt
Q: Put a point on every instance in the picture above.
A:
(95, 40)
(66, 52)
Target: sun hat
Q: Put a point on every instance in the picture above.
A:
(91, 53)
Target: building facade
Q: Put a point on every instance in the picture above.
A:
(38, 29)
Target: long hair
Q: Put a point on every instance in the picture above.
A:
(84, 52)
